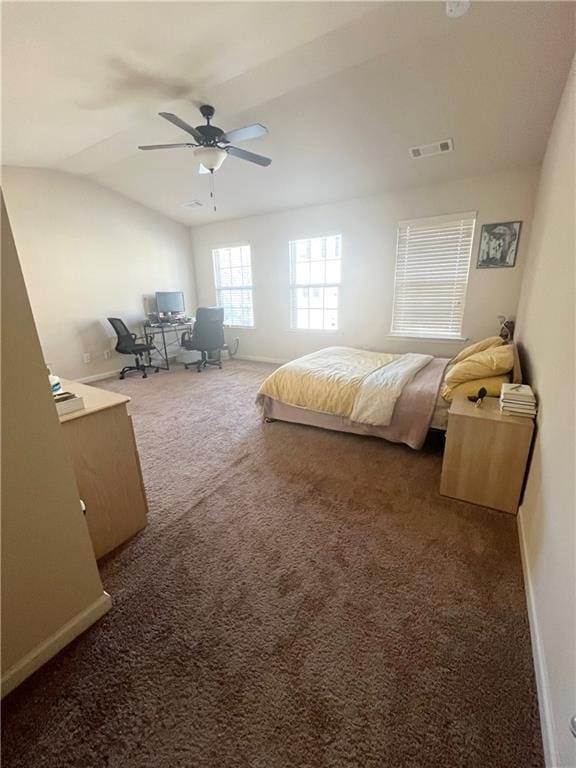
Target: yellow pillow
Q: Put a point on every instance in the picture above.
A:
(491, 362)
(480, 346)
(491, 384)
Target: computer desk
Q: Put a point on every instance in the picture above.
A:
(164, 330)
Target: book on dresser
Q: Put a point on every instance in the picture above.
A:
(68, 402)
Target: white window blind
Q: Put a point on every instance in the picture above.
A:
(233, 282)
(315, 283)
(432, 266)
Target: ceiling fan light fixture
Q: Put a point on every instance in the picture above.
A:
(210, 157)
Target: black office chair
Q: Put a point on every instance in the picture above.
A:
(128, 344)
(207, 337)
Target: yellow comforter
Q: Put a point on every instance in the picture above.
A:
(326, 381)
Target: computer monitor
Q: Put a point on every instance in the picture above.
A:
(169, 302)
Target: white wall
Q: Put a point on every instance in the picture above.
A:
(547, 517)
(51, 590)
(368, 227)
(87, 254)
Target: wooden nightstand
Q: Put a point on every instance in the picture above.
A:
(486, 454)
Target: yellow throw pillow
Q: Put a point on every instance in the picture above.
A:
(491, 362)
(480, 346)
(491, 384)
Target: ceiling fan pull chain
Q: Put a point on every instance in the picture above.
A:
(212, 190)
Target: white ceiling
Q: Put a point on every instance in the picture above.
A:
(344, 88)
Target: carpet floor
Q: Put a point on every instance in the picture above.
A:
(301, 598)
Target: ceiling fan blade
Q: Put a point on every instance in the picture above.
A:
(202, 169)
(250, 156)
(175, 120)
(166, 146)
(253, 131)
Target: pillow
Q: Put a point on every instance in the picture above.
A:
(491, 384)
(491, 362)
(480, 346)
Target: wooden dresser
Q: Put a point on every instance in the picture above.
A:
(486, 454)
(101, 443)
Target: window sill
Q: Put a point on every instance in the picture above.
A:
(314, 330)
(239, 327)
(447, 340)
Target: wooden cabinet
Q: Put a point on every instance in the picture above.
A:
(101, 443)
(486, 454)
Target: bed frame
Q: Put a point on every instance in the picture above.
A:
(517, 370)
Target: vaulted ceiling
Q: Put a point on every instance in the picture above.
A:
(344, 88)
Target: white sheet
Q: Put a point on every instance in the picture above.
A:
(379, 391)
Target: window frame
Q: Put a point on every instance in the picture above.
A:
(218, 290)
(420, 333)
(294, 286)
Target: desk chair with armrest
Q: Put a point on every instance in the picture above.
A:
(207, 337)
(128, 344)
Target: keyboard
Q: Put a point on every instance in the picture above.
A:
(167, 324)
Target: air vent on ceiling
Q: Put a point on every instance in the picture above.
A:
(436, 148)
(193, 204)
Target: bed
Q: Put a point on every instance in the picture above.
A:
(394, 397)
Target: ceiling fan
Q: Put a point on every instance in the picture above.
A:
(212, 144)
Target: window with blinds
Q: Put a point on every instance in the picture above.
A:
(432, 266)
(233, 282)
(315, 283)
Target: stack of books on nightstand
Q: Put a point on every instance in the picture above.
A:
(518, 400)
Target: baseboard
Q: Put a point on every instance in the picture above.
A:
(542, 684)
(99, 376)
(48, 648)
(256, 359)
(116, 371)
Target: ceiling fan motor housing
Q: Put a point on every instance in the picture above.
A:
(212, 135)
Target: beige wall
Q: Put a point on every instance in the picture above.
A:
(87, 254)
(547, 517)
(368, 227)
(51, 589)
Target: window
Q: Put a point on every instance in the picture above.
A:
(314, 283)
(432, 264)
(233, 281)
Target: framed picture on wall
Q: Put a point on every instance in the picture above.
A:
(499, 245)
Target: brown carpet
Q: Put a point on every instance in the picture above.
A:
(300, 598)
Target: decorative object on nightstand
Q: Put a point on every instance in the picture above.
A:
(506, 328)
(486, 454)
(477, 398)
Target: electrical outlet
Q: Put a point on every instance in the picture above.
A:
(107, 354)
(87, 357)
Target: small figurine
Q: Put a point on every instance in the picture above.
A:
(481, 395)
(506, 328)
(477, 399)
